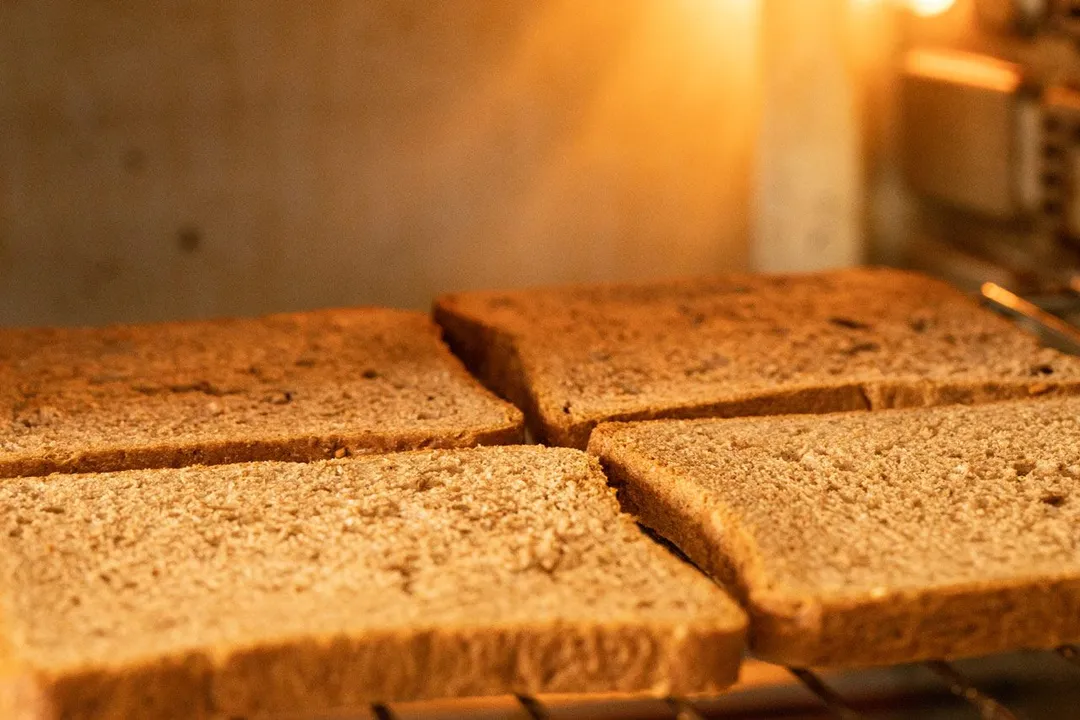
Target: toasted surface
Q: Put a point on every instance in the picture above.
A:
(864, 538)
(743, 345)
(290, 387)
(277, 586)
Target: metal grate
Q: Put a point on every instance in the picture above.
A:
(533, 707)
(1054, 178)
(1060, 138)
(832, 700)
(1071, 654)
(1019, 686)
(988, 707)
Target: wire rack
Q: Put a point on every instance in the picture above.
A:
(1016, 686)
(1022, 686)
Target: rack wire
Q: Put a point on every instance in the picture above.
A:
(1070, 653)
(988, 707)
(923, 688)
(533, 707)
(683, 710)
(832, 700)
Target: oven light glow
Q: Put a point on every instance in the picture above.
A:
(929, 8)
(922, 8)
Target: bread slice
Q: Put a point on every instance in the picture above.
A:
(285, 387)
(256, 588)
(872, 538)
(743, 345)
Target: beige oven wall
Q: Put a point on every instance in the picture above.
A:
(165, 160)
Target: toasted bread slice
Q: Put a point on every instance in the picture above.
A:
(248, 589)
(743, 345)
(286, 387)
(873, 538)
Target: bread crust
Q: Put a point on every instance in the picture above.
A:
(500, 341)
(342, 673)
(493, 358)
(289, 449)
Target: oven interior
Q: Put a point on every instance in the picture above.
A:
(162, 164)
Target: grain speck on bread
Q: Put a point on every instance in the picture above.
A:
(279, 587)
(873, 538)
(294, 386)
(742, 344)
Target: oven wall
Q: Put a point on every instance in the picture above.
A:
(163, 160)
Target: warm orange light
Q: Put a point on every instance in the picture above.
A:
(928, 8)
(922, 8)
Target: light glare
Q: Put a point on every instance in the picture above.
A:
(928, 8)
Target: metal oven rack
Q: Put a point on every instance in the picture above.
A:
(1017, 686)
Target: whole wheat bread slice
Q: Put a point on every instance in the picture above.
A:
(743, 345)
(270, 587)
(867, 538)
(285, 387)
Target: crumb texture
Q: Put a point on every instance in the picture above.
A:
(665, 349)
(854, 511)
(294, 386)
(338, 578)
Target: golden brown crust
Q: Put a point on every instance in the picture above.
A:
(174, 687)
(811, 400)
(897, 627)
(739, 345)
(299, 386)
(458, 662)
(492, 357)
(222, 452)
(1015, 601)
(344, 672)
